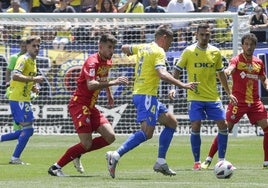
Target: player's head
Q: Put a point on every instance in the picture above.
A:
(203, 34)
(107, 44)
(164, 36)
(23, 48)
(33, 45)
(248, 43)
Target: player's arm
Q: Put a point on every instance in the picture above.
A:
(110, 97)
(223, 79)
(93, 84)
(18, 76)
(264, 81)
(229, 70)
(166, 76)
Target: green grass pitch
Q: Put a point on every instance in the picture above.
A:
(135, 168)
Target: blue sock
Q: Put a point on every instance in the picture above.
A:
(164, 141)
(222, 143)
(11, 136)
(196, 144)
(22, 141)
(133, 141)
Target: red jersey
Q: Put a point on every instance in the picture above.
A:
(94, 68)
(246, 75)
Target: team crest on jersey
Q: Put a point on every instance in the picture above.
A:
(92, 72)
(233, 117)
(103, 70)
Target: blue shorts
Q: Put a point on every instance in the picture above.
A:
(200, 110)
(21, 111)
(148, 108)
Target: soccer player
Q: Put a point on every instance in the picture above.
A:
(86, 117)
(150, 68)
(246, 70)
(203, 62)
(23, 82)
(11, 65)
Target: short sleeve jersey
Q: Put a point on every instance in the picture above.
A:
(21, 91)
(94, 68)
(201, 66)
(245, 78)
(149, 57)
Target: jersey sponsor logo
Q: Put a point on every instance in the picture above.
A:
(204, 65)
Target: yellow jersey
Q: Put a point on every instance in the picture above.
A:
(201, 66)
(21, 91)
(149, 57)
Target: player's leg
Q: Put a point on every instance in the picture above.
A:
(170, 123)
(258, 115)
(84, 130)
(147, 115)
(196, 114)
(23, 114)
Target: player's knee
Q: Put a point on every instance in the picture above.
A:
(110, 139)
(28, 132)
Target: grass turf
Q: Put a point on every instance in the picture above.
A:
(135, 168)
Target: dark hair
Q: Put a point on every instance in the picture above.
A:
(32, 38)
(203, 26)
(163, 30)
(107, 37)
(249, 36)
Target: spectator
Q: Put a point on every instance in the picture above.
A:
(154, 7)
(63, 36)
(180, 6)
(15, 7)
(64, 7)
(163, 3)
(76, 4)
(25, 5)
(232, 5)
(258, 20)
(34, 6)
(107, 6)
(4, 4)
(132, 6)
(223, 32)
(205, 8)
(87, 5)
(47, 5)
(247, 8)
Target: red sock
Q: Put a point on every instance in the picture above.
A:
(213, 147)
(78, 149)
(98, 143)
(265, 143)
(72, 153)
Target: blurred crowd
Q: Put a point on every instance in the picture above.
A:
(132, 6)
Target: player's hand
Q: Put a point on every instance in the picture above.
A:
(191, 85)
(122, 80)
(172, 94)
(38, 79)
(233, 99)
(7, 84)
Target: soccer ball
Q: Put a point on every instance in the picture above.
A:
(223, 170)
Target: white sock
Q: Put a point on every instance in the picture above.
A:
(208, 159)
(161, 160)
(116, 155)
